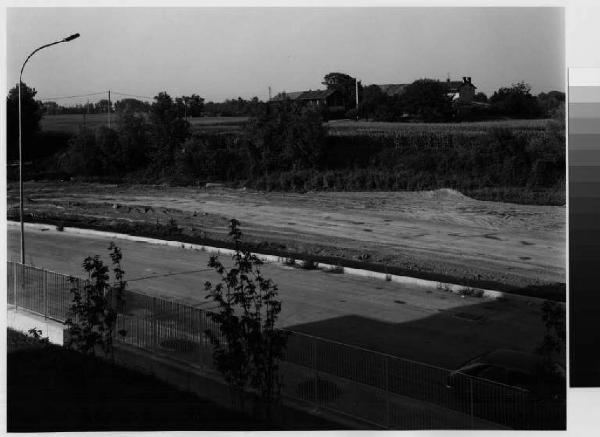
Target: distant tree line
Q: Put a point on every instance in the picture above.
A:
(427, 100)
(424, 99)
(234, 108)
(188, 106)
(100, 107)
(286, 147)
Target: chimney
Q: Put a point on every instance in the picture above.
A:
(469, 79)
(464, 79)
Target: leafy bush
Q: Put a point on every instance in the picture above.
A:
(287, 137)
(516, 101)
(93, 311)
(286, 148)
(247, 346)
(168, 131)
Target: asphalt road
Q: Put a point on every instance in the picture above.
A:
(431, 326)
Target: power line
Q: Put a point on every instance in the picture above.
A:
(72, 97)
(45, 99)
(132, 95)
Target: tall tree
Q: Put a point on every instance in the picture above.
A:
(191, 106)
(551, 102)
(133, 135)
(103, 106)
(480, 97)
(31, 114)
(377, 105)
(168, 130)
(288, 136)
(516, 101)
(427, 99)
(131, 106)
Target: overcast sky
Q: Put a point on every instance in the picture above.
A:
(230, 52)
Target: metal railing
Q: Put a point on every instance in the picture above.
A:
(379, 389)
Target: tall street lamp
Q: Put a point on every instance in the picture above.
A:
(67, 39)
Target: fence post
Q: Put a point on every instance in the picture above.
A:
(314, 364)
(386, 373)
(45, 294)
(15, 285)
(154, 335)
(472, 404)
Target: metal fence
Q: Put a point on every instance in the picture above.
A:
(382, 390)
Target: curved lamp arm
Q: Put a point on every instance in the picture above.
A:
(67, 39)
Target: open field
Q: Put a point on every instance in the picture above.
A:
(73, 122)
(426, 233)
(378, 315)
(353, 127)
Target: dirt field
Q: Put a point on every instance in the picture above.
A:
(439, 231)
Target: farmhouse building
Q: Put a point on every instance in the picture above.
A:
(459, 91)
(462, 92)
(330, 99)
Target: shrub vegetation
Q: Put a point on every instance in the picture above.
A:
(287, 147)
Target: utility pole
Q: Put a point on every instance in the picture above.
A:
(21, 179)
(269, 93)
(108, 109)
(87, 106)
(356, 92)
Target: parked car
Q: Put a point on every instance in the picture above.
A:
(525, 371)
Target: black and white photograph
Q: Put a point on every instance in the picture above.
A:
(286, 218)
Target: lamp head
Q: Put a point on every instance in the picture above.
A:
(71, 37)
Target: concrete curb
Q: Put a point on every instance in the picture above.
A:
(404, 280)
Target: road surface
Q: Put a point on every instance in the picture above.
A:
(431, 326)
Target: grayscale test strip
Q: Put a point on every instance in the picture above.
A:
(584, 229)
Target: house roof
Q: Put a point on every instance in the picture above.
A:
(292, 96)
(316, 94)
(396, 89)
(455, 85)
(304, 95)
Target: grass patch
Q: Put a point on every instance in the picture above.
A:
(52, 389)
